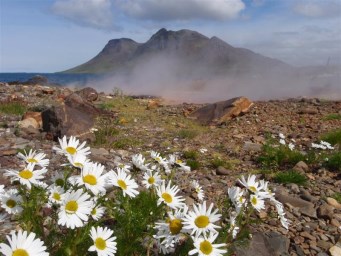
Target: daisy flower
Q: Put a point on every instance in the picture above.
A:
(23, 244)
(291, 146)
(203, 150)
(78, 160)
(125, 167)
(168, 196)
(200, 220)
(233, 228)
(2, 188)
(124, 181)
(91, 177)
(139, 162)
(71, 147)
(97, 212)
(27, 176)
(11, 201)
(281, 214)
(56, 194)
(151, 179)
(281, 136)
(75, 209)
(33, 157)
(206, 247)
(198, 190)
(257, 202)
(157, 157)
(251, 183)
(104, 242)
(326, 144)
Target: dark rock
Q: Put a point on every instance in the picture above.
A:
(221, 112)
(267, 244)
(305, 207)
(308, 110)
(325, 211)
(75, 117)
(38, 79)
(88, 94)
(222, 171)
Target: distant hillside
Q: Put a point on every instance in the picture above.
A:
(195, 51)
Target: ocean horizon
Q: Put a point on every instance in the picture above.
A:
(53, 78)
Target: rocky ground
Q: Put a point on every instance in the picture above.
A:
(139, 124)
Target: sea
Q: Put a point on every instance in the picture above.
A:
(53, 78)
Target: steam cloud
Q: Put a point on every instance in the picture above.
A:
(179, 82)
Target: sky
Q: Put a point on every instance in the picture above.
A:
(55, 35)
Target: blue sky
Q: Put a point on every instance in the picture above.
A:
(54, 35)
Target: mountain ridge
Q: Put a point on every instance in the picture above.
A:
(187, 46)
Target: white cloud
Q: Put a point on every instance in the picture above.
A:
(181, 10)
(318, 8)
(91, 13)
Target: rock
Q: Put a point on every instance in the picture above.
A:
(222, 171)
(29, 122)
(335, 251)
(35, 115)
(325, 211)
(335, 223)
(153, 104)
(301, 167)
(250, 146)
(324, 245)
(38, 79)
(305, 207)
(88, 94)
(74, 117)
(267, 244)
(308, 110)
(333, 202)
(221, 112)
(307, 196)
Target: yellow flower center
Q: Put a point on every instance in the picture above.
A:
(56, 196)
(254, 200)
(90, 179)
(11, 203)
(100, 243)
(71, 206)
(71, 150)
(167, 197)
(26, 174)
(206, 247)
(202, 221)
(178, 161)
(32, 160)
(20, 252)
(175, 226)
(253, 189)
(151, 180)
(59, 182)
(94, 211)
(122, 184)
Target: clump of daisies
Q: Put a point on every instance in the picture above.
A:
(135, 208)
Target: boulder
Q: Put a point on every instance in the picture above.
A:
(305, 207)
(221, 112)
(88, 94)
(36, 116)
(38, 79)
(74, 116)
(29, 122)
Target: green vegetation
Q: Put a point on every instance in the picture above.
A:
(290, 177)
(337, 196)
(333, 116)
(125, 143)
(13, 108)
(190, 154)
(281, 156)
(187, 134)
(333, 161)
(333, 137)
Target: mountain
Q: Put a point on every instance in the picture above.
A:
(186, 52)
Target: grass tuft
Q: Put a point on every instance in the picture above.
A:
(333, 116)
(290, 177)
(13, 108)
(333, 137)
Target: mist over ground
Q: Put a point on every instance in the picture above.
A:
(177, 81)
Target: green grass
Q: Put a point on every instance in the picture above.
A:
(333, 116)
(13, 108)
(291, 176)
(337, 196)
(334, 162)
(333, 137)
(125, 143)
(276, 157)
(190, 154)
(194, 164)
(187, 134)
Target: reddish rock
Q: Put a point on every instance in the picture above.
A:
(36, 116)
(221, 112)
